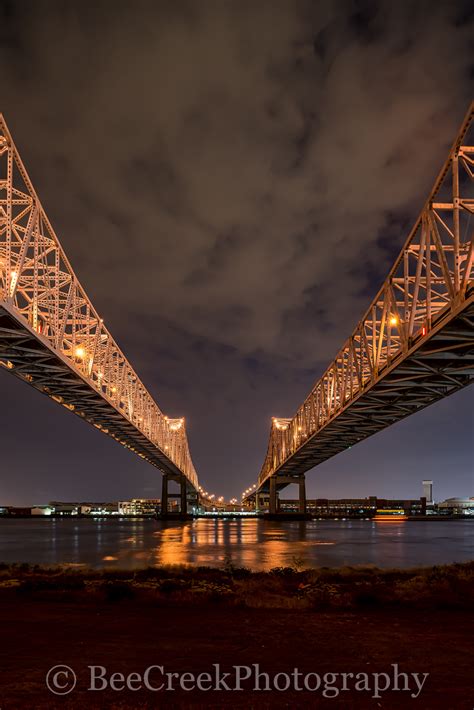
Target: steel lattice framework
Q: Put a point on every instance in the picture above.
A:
(414, 345)
(52, 337)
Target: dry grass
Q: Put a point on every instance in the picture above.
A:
(450, 586)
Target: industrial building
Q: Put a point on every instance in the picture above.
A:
(355, 507)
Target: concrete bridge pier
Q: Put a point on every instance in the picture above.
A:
(274, 507)
(164, 496)
(261, 501)
(302, 495)
(182, 495)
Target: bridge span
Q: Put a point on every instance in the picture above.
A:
(413, 346)
(52, 337)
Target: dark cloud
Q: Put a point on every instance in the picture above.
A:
(232, 180)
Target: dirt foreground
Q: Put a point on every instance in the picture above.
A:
(128, 638)
(202, 638)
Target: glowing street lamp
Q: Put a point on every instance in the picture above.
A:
(80, 352)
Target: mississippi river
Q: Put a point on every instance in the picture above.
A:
(254, 543)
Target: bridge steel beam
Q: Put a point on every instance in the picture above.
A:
(414, 345)
(52, 337)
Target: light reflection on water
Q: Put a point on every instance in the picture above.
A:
(257, 544)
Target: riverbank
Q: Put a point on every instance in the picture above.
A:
(444, 586)
(186, 620)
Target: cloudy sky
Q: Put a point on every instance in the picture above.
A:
(231, 181)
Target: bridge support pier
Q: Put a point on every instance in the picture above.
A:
(273, 499)
(302, 495)
(182, 495)
(273, 503)
(164, 496)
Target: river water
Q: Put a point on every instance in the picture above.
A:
(254, 543)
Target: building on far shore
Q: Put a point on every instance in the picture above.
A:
(355, 507)
(42, 510)
(340, 508)
(15, 511)
(144, 507)
(456, 506)
(139, 506)
(84, 508)
(428, 491)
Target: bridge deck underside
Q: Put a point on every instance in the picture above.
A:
(441, 366)
(34, 362)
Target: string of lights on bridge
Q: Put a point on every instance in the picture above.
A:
(212, 499)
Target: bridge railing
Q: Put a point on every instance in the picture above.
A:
(39, 284)
(431, 275)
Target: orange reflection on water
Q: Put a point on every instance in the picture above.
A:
(215, 541)
(173, 545)
(390, 518)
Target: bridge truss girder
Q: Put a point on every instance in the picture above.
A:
(442, 366)
(52, 337)
(415, 343)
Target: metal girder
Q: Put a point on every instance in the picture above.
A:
(52, 337)
(414, 345)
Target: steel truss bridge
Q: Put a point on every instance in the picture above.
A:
(413, 346)
(52, 337)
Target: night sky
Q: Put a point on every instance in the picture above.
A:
(231, 182)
